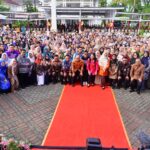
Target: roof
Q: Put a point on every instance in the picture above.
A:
(12, 2)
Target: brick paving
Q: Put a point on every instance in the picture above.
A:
(135, 111)
(26, 114)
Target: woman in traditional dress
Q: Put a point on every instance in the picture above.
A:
(4, 82)
(104, 63)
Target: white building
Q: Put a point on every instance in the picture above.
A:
(70, 11)
(71, 3)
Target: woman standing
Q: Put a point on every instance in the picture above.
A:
(146, 62)
(4, 82)
(5, 58)
(92, 68)
(32, 74)
(104, 63)
(113, 71)
(40, 74)
(12, 75)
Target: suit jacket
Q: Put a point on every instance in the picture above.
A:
(137, 72)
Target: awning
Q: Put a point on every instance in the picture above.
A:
(2, 17)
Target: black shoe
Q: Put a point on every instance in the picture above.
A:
(131, 91)
(138, 92)
(82, 84)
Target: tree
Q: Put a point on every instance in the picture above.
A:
(2, 7)
(102, 3)
(130, 5)
(29, 6)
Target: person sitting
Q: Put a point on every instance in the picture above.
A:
(66, 70)
(56, 69)
(137, 75)
(92, 68)
(123, 73)
(77, 70)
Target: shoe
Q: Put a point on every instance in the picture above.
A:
(131, 91)
(82, 84)
(93, 84)
(88, 85)
(103, 87)
(138, 92)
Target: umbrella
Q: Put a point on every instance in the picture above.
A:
(3, 17)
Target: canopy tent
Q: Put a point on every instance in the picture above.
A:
(2, 17)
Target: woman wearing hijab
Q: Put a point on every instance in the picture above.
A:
(146, 62)
(5, 58)
(104, 63)
(39, 59)
(4, 82)
(135, 56)
(113, 69)
(40, 74)
(32, 74)
(12, 75)
(47, 69)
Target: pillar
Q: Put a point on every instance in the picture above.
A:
(53, 16)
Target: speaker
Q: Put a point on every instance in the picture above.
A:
(93, 144)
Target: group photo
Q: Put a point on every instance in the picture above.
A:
(114, 58)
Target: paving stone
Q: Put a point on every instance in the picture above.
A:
(22, 113)
(133, 108)
(26, 114)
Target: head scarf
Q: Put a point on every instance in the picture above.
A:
(31, 59)
(103, 61)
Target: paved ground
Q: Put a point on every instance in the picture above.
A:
(135, 111)
(26, 114)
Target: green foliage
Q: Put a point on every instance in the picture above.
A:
(19, 24)
(3, 8)
(133, 5)
(141, 32)
(29, 6)
(102, 3)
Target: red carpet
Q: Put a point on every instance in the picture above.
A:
(86, 112)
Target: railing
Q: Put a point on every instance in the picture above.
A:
(35, 147)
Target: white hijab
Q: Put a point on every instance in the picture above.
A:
(32, 59)
(103, 61)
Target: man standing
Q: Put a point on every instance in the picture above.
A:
(77, 70)
(24, 66)
(137, 74)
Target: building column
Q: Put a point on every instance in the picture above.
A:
(80, 21)
(53, 16)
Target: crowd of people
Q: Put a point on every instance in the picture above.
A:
(118, 58)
